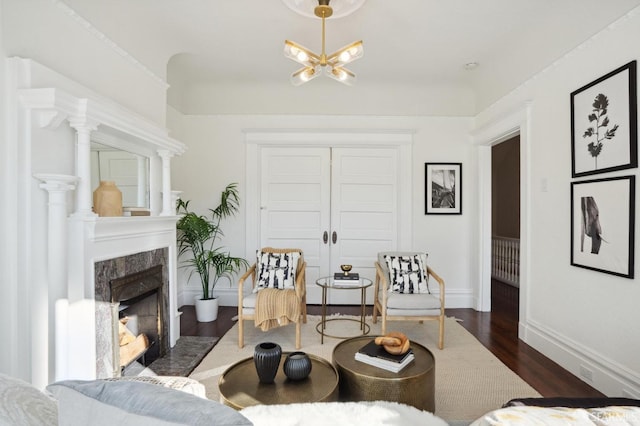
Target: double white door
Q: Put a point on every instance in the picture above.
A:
(339, 205)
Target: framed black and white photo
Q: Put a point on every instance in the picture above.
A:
(443, 188)
(603, 124)
(602, 225)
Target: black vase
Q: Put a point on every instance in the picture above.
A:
(266, 357)
(297, 366)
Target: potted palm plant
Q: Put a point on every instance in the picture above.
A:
(197, 236)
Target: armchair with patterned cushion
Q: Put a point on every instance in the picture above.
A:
(403, 290)
(278, 291)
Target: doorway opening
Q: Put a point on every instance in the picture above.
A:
(505, 226)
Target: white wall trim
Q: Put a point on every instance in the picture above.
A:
(498, 130)
(607, 376)
(585, 44)
(257, 138)
(459, 298)
(109, 42)
(51, 106)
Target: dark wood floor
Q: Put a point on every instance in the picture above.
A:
(497, 330)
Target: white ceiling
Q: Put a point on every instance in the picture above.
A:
(408, 43)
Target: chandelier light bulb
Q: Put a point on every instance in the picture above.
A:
(302, 56)
(306, 76)
(342, 76)
(345, 56)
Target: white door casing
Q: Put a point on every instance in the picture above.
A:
(508, 124)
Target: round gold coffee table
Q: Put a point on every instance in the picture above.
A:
(414, 385)
(240, 388)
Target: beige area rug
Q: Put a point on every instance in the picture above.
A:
(470, 381)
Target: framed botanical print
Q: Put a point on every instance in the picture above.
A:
(603, 124)
(443, 188)
(603, 225)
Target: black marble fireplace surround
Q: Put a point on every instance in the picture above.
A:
(117, 270)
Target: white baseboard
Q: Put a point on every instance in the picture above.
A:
(607, 376)
(454, 299)
(228, 297)
(459, 299)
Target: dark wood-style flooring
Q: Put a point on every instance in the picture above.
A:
(496, 330)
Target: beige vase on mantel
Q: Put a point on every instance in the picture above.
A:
(107, 199)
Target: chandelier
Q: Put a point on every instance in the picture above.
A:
(313, 64)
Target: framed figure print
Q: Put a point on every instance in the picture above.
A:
(443, 188)
(603, 124)
(602, 225)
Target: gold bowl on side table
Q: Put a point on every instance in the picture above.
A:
(346, 269)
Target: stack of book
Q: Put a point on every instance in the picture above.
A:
(135, 211)
(377, 356)
(342, 279)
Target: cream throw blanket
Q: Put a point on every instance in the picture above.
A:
(275, 307)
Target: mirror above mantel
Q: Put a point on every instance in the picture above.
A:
(129, 171)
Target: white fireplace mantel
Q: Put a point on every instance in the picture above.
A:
(93, 239)
(89, 238)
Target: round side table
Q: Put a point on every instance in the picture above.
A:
(414, 385)
(328, 283)
(240, 388)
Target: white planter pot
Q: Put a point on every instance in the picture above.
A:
(206, 310)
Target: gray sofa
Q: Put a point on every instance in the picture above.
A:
(142, 401)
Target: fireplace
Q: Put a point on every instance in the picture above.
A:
(135, 286)
(102, 250)
(141, 302)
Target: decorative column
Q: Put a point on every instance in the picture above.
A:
(142, 181)
(57, 186)
(84, 201)
(167, 208)
(175, 196)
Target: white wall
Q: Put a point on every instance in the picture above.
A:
(216, 156)
(579, 318)
(9, 301)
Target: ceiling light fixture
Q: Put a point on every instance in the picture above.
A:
(314, 64)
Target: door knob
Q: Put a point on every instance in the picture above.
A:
(334, 237)
(325, 237)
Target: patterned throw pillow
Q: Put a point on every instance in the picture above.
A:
(276, 270)
(408, 273)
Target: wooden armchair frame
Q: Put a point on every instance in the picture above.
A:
(300, 290)
(380, 306)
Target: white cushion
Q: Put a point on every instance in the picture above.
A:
(561, 416)
(407, 272)
(249, 301)
(370, 413)
(276, 270)
(412, 301)
(22, 404)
